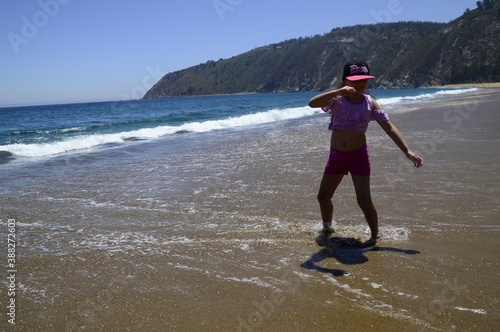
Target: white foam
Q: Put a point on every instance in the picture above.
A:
(32, 225)
(245, 247)
(395, 233)
(253, 280)
(456, 91)
(476, 311)
(405, 99)
(76, 143)
(359, 231)
(83, 142)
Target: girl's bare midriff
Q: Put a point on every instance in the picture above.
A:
(347, 140)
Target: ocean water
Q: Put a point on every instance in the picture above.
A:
(46, 131)
(199, 213)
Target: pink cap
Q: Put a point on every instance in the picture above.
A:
(357, 71)
(359, 77)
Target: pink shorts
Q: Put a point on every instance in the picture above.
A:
(357, 162)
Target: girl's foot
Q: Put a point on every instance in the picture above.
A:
(327, 228)
(372, 241)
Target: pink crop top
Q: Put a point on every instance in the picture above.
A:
(351, 116)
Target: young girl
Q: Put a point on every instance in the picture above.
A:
(351, 110)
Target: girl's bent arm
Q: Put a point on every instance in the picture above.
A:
(323, 99)
(396, 136)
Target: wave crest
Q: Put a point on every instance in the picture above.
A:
(82, 142)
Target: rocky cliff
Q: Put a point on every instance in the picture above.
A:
(401, 55)
(466, 50)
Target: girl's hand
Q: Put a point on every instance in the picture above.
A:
(347, 91)
(416, 160)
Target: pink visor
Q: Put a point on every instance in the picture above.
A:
(359, 77)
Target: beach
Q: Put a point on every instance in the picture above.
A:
(472, 85)
(216, 231)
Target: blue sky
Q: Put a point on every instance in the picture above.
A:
(68, 51)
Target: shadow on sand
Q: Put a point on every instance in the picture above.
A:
(348, 251)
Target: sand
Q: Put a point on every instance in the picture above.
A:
(232, 246)
(470, 85)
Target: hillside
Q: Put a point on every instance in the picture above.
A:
(465, 50)
(404, 54)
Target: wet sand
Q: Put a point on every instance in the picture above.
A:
(221, 237)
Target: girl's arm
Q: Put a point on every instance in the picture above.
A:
(396, 136)
(323, 99)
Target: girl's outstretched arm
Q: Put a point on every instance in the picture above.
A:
(396, 136)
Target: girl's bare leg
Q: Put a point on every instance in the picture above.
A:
(327, 188)
(363, 195)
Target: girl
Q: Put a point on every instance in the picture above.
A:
(351, 110)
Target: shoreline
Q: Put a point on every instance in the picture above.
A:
(444, 86)
(464, 85)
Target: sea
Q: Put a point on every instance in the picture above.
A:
(200, 214)
(36, 133)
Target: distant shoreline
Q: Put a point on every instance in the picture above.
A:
(465, 85)
(445, 86)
